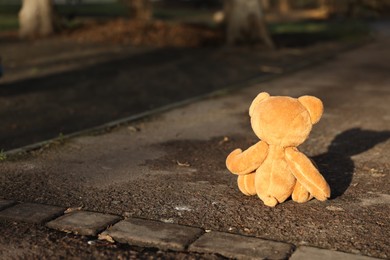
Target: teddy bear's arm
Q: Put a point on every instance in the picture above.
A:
(306, 174)
(239, 162)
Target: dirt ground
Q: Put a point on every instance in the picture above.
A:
(91, 76)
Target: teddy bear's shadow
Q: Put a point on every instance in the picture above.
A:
(336, 164)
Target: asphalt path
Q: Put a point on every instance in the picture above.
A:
(55, 87)
(170, 167)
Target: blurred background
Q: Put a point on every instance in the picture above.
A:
(59, 16)
(70, 65)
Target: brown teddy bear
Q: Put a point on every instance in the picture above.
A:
(273, 168)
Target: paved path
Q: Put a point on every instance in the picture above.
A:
(78, 86)
(170, 168)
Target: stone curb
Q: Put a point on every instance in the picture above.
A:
(308, 253)
(164, 236)
(83, 222)
(230, 88)
(241, 247)
(31, 213)
(149, 233)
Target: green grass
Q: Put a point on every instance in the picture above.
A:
(8, 22)
(3, 156)
(9, 13)
(307, 27)
(109, 9)
(9, 9)
(325, 30)
(179, 13)
(113, 9)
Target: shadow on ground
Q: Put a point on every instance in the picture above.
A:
(42, 108)
(336, 164)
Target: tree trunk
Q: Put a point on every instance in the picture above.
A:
(36, 18)
(324, 6)
(140, 9)
(265, 4)
(245, 23)
(284, 6)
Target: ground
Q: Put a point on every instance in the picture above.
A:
(170, 166)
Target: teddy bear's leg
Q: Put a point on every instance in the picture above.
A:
(269, 200)
(262, 185)
(306, 174)
(274, 182)
(246, 184)
(300, 194)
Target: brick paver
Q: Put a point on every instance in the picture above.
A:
(31, 212)
(240, 247)
(165, 236)
(153, 234)
(83, 222)
(309, 253)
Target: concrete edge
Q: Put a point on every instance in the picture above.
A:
(234, 87)
(92, 224)
(309, 252)
(295, 251)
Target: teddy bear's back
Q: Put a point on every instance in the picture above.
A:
(273, 177)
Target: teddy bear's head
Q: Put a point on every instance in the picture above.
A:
(284, 121)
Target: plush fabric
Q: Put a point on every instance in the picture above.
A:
(274, 168)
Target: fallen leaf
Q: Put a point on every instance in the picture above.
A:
(334, 208)
(168, 220)
(127, 215)
(378, 175)
(133, 129)
(185, 164)
(183, 208)
(69, 210)
(224, 140)
(106, 237)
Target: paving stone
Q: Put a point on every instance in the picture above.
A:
(240, 247)
(31, 212)
(309, 253)
(150, 233)
(83, 222)
(6, 203)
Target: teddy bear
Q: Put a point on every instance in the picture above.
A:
(274, 168)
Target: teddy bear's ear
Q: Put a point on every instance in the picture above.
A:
(314, 106)
(260, 97)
